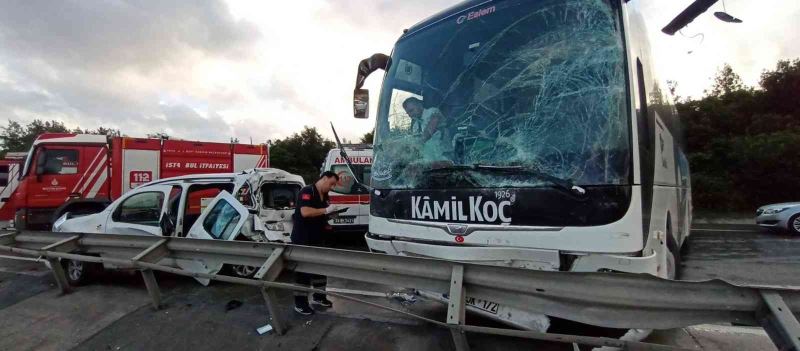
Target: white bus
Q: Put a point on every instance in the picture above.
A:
(532, 134)
(348, 192)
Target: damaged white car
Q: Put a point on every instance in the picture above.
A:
(197, 206)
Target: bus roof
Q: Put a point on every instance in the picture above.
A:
(443, 15)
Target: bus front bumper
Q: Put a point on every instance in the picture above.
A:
(538, 259)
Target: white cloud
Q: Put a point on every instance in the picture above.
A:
(214, 70)
(770, 31)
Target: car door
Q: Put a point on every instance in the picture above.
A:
(139, 212)
(221, 220)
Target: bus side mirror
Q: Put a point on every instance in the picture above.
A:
(361, 103)
(365, 68)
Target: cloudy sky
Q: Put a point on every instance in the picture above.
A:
(212, 70)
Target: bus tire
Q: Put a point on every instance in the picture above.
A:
(674, 252)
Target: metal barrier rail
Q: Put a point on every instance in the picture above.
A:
(604, 299)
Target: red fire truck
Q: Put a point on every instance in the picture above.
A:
(81, 173)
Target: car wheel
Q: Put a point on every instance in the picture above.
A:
(77, 272)
(243, 271)
(794, 224)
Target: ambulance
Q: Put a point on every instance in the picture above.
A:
(348, 192)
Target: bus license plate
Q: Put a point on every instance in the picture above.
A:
(484, 305)
(344, 220)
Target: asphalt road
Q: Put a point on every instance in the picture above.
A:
(741, 254)
(114, 312)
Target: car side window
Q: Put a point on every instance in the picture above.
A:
(142, 208)
(221, 220)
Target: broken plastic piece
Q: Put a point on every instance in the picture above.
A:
(264, 329)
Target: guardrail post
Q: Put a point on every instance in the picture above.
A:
(60, 276)
(457, 308)
(778, 321)
(152, 254)
(270, 271)
(67, 245)
(152, 287)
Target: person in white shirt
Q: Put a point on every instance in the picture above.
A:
(428, 123)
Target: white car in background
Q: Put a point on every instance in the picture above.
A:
(783, 216)
(255, 205)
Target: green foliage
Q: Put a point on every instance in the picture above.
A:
(367, 138)
(15, 137)
(743, 142)
(726, 82)
(302, 153)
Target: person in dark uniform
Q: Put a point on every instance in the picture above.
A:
(310, 224)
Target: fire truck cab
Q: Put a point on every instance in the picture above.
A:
(82, 173)
(348, 192)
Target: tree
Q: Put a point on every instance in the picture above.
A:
(367, 138)
(782, 87)
(15, 137)
(726, 82)
(742, 141)
(301, 153)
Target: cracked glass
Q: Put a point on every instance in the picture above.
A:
(504, 93)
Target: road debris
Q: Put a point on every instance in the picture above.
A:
(405, 297)
(232, 305)
(264, 329)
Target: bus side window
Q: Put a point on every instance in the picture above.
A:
(643, 118)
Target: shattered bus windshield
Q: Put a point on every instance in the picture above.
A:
(512, 85)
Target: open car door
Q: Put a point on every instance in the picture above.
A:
(221, 220)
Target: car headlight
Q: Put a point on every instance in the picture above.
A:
(770, 211)
(278, 227)
(60, 221)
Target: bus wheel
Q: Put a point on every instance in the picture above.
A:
(673, 256)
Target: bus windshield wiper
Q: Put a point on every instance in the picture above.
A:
(448, 171)
(563, 184)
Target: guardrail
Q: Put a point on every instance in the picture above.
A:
(604, 299)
